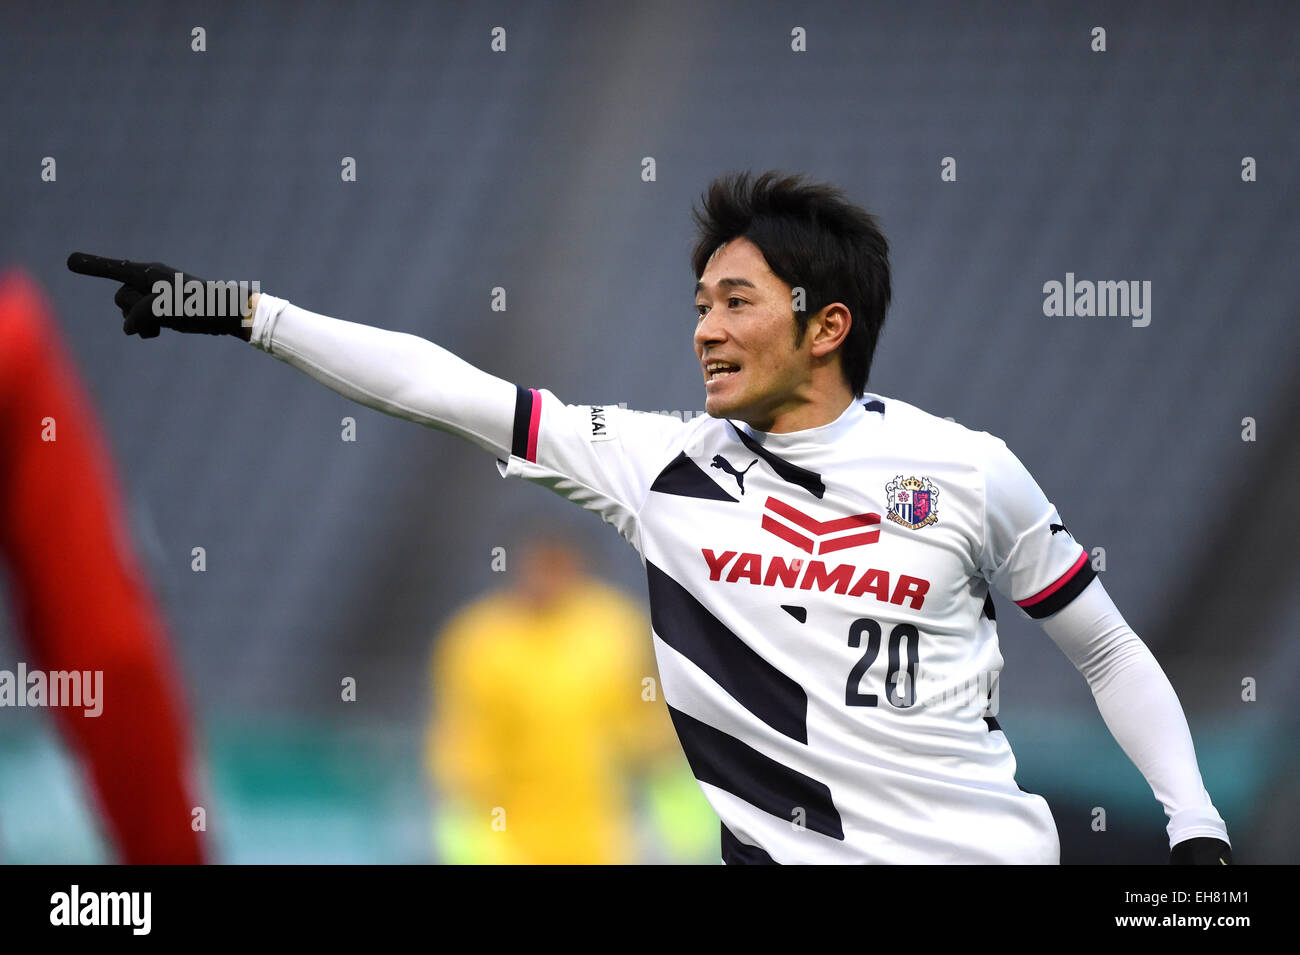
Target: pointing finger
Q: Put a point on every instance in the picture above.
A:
(120, 270)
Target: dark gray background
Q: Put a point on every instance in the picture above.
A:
(522, 170)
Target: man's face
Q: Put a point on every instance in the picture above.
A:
(746, 322)
(547, 569)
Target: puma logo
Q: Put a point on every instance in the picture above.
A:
(1057, 527)
(723, 464)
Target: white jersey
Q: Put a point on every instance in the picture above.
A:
(819, 600)
(822, 620)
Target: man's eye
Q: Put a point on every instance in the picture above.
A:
(734, 299)
(701, 309)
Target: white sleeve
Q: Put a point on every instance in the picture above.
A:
(1139, 707)
(601, 457)
(1027, 553)
(393, 372)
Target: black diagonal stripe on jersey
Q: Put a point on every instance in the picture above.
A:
(724, 761)
(799, 613)
(989, 611)
(1064, 594)
(735, 852)
(686, 625)
(523, 420)
(810, 481)
(684, 477)
(992, 723)
(875, 404)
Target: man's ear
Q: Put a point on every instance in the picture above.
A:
(828, 328)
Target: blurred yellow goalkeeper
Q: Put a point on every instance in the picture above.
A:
(549, 742)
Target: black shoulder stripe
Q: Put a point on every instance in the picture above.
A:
(684, 477)
(810, 481)
(875, 404)
(1064, 594)
(524, 398)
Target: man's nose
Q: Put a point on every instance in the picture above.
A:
(709, 330)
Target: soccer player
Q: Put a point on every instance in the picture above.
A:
(819, 557)
(540, 737)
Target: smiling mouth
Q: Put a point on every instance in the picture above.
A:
(717, 370)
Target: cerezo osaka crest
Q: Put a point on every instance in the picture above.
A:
(913, 502)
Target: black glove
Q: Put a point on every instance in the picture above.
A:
(1201, 851)
(139, 302)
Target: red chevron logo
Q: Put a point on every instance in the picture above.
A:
(817, 529)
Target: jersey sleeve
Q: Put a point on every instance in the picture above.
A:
(1028, 554)
(393, 372)
(602, 457)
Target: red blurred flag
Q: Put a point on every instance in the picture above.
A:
(79, 594)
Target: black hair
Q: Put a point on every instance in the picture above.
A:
(812, 238)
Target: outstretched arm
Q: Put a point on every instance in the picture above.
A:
(393, 372)
(603, 458)
(1142, 712)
